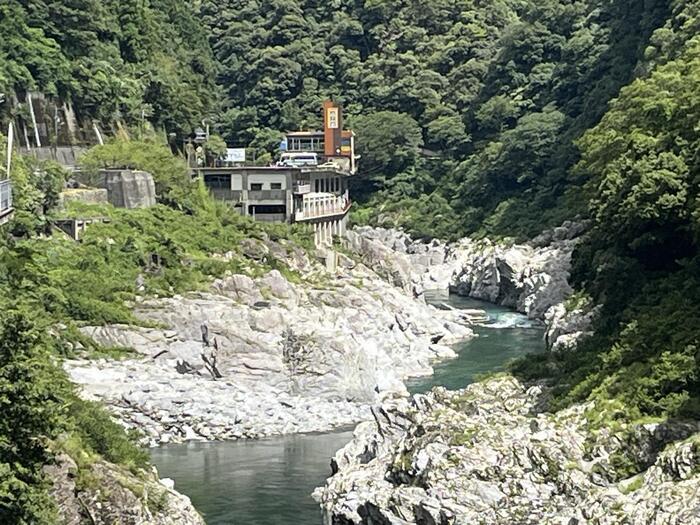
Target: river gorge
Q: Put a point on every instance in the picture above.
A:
(270, 481)
(249, 391)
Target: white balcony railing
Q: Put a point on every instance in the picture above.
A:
(319, 205)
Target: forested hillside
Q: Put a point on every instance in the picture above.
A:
(114, 60)
(496, 118)
(498, 91)
(640, 259)
(503, 118)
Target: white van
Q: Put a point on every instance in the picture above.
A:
(298, 159)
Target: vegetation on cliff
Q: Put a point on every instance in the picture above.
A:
(640, 260)
(114, 61)
(50, 286)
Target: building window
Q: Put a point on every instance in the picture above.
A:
(219, 182)
(256, 186)
(276, 186)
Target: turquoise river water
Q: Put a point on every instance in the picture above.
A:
(269, 481)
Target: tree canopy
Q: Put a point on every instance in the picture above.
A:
(113, 61)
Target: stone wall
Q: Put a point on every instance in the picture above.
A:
(128, 188)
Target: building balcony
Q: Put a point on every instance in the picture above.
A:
(322, 205)
(225, 194)
(6, 209)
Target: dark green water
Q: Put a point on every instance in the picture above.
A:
(269, 482)
(507, 336)
(255, 482)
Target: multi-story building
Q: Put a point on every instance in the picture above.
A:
(308, 185)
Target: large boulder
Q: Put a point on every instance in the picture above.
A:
(262, 356)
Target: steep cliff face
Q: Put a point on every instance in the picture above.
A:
(104, 494)
(490, 454)
(494, 453)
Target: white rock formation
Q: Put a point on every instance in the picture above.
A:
(115, 495)
(291, 358)
(532, 278)
(488, 454)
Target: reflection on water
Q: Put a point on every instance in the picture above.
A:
(269, 482)
(256, 482)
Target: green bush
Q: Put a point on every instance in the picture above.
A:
(33, 394)
(102, 435)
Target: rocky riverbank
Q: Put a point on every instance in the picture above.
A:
(490, 454)
(530, 278)
(258, 357)
(104, 494)
(493, 453)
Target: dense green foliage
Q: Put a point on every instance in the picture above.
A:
(32, 396)
(51, 285)
(495, 91)
(113, 60)
(496, 118)
(640, 261)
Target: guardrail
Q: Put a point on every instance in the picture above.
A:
(319, 205)
(5, 195)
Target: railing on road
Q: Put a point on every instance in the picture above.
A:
(319, 205)
(5, 196)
